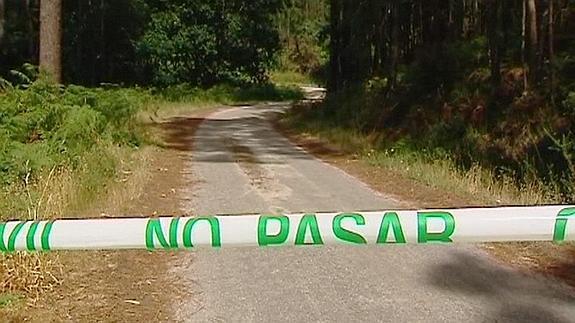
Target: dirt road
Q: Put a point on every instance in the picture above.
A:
(240, 164)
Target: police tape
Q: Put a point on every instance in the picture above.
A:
(540, 223)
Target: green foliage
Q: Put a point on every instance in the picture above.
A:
(9, 299)
(302, 26)
(150, 42)
(205, 43)
(441, 71)
(227, 94)
(20, 31)
(44, 125)
(286, 77)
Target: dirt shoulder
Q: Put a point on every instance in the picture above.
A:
(541, 257)
(130, 285)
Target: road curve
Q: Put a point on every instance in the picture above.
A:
(241, 165)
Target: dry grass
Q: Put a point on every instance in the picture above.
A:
(61, 193)
(29, 274)
(160, 112)
(23, 275)
(26, 275)
(110, 198)
(482, 185)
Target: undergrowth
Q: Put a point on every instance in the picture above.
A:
(59, 147)
(45, 126)
(433, 167)
(227, 94)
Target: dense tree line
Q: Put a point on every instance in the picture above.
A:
(373, 38)
(483, 81)
(147, 41)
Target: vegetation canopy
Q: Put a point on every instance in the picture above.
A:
(488, 82)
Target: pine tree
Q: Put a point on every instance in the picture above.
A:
(51, 38)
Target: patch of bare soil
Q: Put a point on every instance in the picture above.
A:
(541, 257)
(127, 286)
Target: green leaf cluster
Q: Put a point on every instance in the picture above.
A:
(204, 43)
(45, 125)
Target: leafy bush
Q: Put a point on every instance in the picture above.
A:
(45, 125)
(206, 43)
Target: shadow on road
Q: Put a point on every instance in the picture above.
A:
(179, 132)
(565, 269)
(254, 132)
(516, 297)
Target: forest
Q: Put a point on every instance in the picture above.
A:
(478, 81)
(147, 42)
(113, 60)
(489, 83)
(466, 96)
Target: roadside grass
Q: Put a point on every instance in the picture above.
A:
(60, 147)
(228, 94)
(66, 149)
(477, 184)
(481, 186)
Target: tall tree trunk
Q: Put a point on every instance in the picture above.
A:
(459, 16)
(2, 21)
(395, 46)
(51, 38)
(551, 52)
(348, 68)
(335, 46)
(532, 44)
(376, 68)
(524, 46)
(494, 40)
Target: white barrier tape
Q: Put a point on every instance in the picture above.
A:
(543, 223)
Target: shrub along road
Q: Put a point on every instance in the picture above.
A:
(240, 164)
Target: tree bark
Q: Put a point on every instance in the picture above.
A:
(532, 44)
(494, 41)
(335, 50)
(551, 52)
(51, 38)
(524, 46)
(395, 46)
